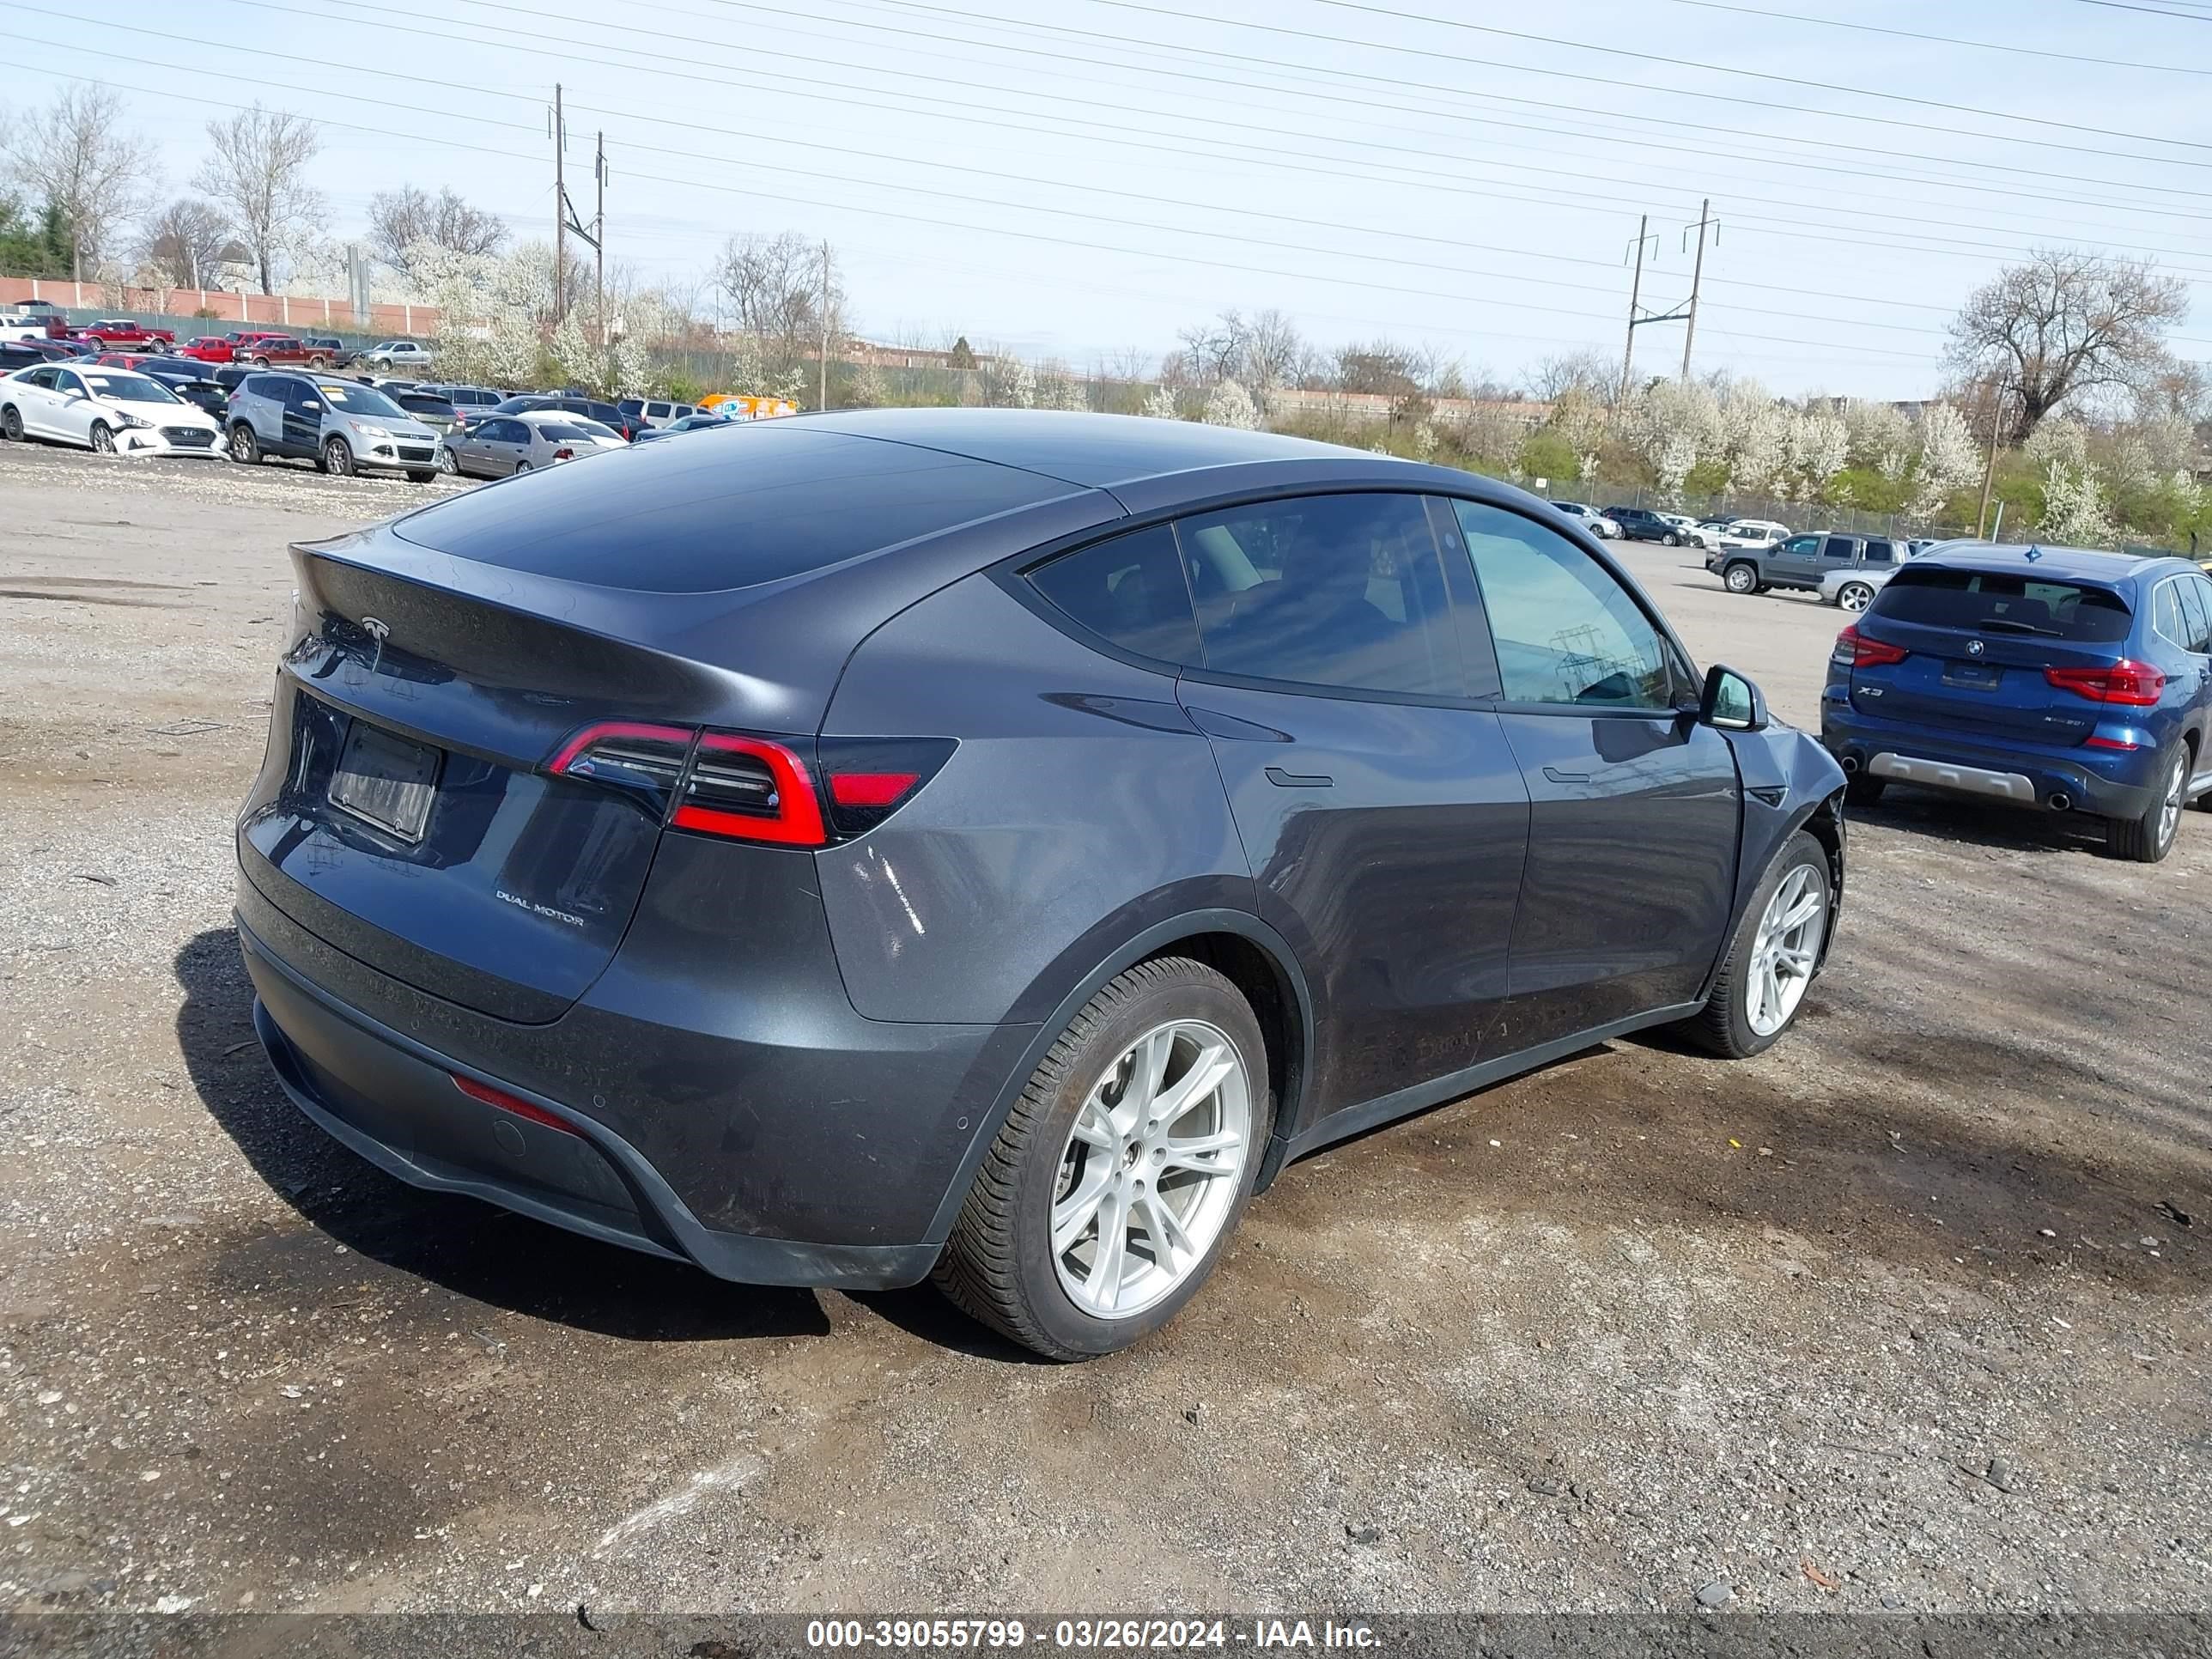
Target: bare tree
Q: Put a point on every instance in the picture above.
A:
(76, 154)
(257, 173)
(1268, 352)
(774, 288)
(186, 242)
(400, 219)
(1590, 372)
(2065, 323)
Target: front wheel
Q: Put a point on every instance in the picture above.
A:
(103, 439)
(1853, 596)
(1109, 1195)
(337, 457)
(245, 444)
(2148, 839)
(1674, 541)
(1761, 984)
(1740, 579)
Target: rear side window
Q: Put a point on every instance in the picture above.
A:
(1130, 591)
(1982, 601)
(1880, 553)
(2196, 610)
(1344, 591)
(753, 504)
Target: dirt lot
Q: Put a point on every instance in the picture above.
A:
(1905, 1307)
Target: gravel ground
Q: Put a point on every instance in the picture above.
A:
(1912, 1311)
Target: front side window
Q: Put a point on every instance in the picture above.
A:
(1340, 591)
(1567, 631)
(1802, 547)
(1130, 591)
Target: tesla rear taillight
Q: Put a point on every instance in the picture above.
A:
(2127, 681)
(1855, 650)
(751, 789)
(507, 1102)
(645, 760)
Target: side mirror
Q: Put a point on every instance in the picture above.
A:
(312, 409)
(1731, 702)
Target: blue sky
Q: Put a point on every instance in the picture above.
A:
(1076, 177)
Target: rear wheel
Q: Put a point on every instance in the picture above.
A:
(11, 424)
(423, 475)
(1853, 596)
(245, 444)
(1761, 984)
(447, 464)
(261, 363)
(1674, 540)
(1864, 789)
(1109, 1195)
(337, 457)
(1741, 577)
(318, 362)
(521, 467)
(2149, 838)
(103, 438)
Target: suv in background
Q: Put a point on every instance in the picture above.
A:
(2044, 677)
(1591, 519)
(1803, 562)
(342, 427)
(265, 349)
(1639, 524)
(654, 411)
(605, 413)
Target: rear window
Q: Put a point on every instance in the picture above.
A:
(1990, 602)
(754, 504)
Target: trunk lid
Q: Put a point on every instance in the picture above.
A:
(403, 812)
(1979, 644)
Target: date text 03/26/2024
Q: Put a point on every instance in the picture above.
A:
(1109, 1635)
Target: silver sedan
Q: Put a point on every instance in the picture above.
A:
(504, 445)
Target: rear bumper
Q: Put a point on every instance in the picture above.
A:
(394, 1103)
(2118, 784)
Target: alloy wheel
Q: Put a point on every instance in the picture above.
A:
(1151, 1169)
(1788, 944)
(1740, 579)
(103, 441)
(1855, 596)
(447, 464)
(2176, 797)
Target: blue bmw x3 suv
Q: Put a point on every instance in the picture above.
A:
(2047, 677)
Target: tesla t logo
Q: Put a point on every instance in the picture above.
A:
(1974, 647)
(378, 630)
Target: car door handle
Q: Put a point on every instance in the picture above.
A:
(1283, 780)
(1558, 776)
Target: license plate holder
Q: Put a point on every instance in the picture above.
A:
(1972, 676)
(386, 782)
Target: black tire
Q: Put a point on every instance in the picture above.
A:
(11, 424)
(261, 363)
(1674, 540)
(338, 457)
(997, 1264)
(1741, 577)
(521, 467)
(422, 477)
(1864, 789)
(103, 438)
(1723, 1025)
(2149, 838)
(319, 362)
(245, 444)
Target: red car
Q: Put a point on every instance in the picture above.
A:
(207, 348)
(265, 349)
(122, 332)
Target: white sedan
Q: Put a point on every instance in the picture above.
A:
(114, 411)
(1696, 534)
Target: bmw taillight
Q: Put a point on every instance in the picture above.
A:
(1855, 650)
(2127, 681)
(754, 788)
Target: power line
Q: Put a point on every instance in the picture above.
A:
(966, 115)
(1945, 39)
(1723, 69)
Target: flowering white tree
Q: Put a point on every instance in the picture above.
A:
(1880, 437)
(1010, 383)
(1754, 436)
(2062, 438)
(1819, 448)
(1672, 426)
(1160, 405)
(1231, 405)
(1948, 460)
(2074, 510)
(1058, 386)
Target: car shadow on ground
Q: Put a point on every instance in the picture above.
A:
(471, 1248)
(2010, 828)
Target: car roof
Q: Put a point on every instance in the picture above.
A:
(1095, 450)
(2033, 558)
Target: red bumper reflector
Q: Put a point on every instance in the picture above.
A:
(2108, 743)
(507, 1102)
(871, 788)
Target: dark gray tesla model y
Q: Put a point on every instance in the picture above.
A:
(844, 849)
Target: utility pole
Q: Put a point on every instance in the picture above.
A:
(822, 400)
(599, 235)
(1990, 471)
(1698, 276)
(559, 210)
(1635, 294)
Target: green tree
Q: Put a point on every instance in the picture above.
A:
(34, 247)
(1546, 454)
